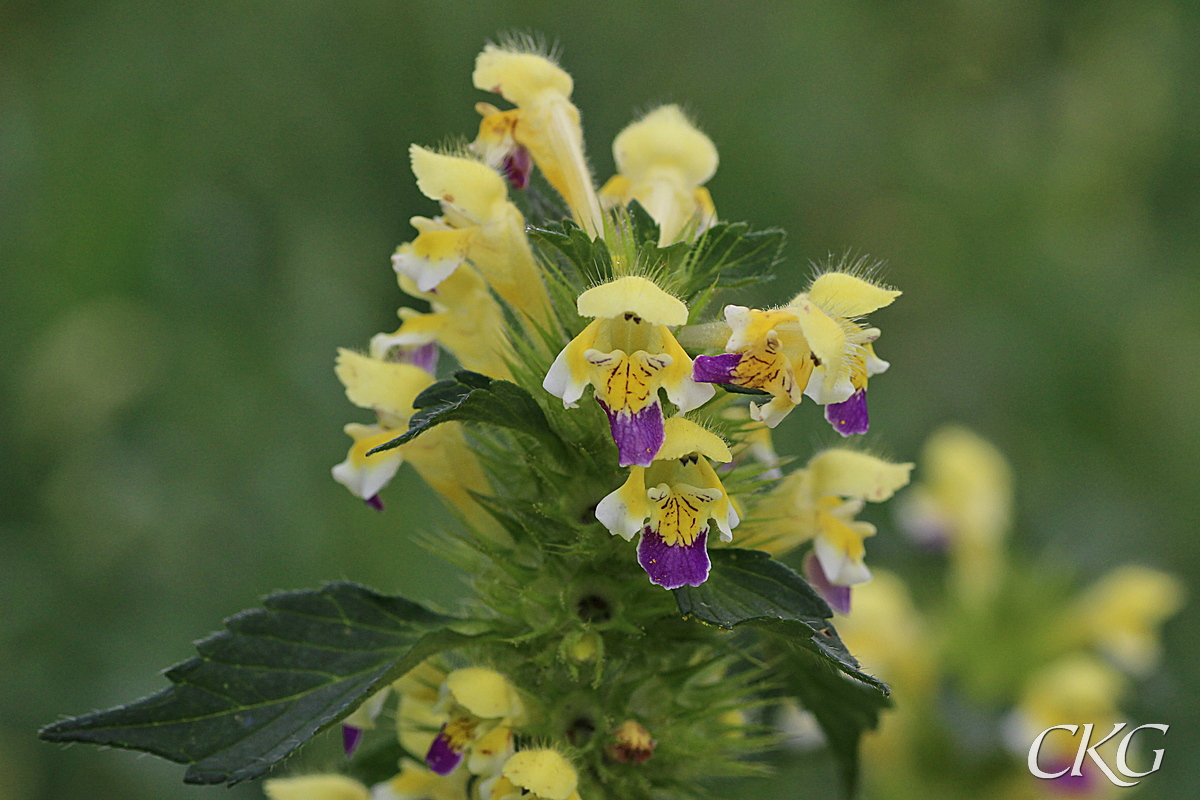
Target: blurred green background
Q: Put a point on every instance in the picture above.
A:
(198, 202)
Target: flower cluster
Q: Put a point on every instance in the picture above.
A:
(569, 673)
(492, 305)
(466, 715)
(689, 404)
(1009, 646)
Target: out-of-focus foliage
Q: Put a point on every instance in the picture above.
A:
(196, 202)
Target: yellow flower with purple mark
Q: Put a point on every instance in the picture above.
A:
(813, 346)
(820, 502)
(464, 319)
(671, 502)
(497, 144)
(480, 707)
(627, 354)
(362, 719)
(478, 224)
(663, 162)
(386, 381)
(545, 123)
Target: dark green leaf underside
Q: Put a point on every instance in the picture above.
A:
(749, 589)
(843, 707)
(471, 397)
(269, 683)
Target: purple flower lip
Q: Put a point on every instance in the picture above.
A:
(517, 167)
(715, 369)
(442, 758)
(375, 502)
(638, 436)
(850, 417)
(351, 739)
(838, 597)
(424, 356)
(673, 566)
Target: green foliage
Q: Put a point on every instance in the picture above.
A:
(585, 261)
(269, 683)
(844, 707)
(748, 588)
(730, 255)
(471, 397)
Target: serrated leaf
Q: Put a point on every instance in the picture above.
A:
(843, 707)
(750, 587)
(471, 397)
(271, 681)
(747, 588)
(589, 258)
(729, 254)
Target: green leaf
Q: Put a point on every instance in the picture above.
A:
(471, 397)
(843, 707)
(269, 683)
(589, 258)
(729, 254)
(748, 588)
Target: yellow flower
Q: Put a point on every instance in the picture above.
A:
(480, 707)
(964, 502)
(627, 354)
(754, 444)
(497, 144)
(418, 716)
(362, 719)
(544, 122)
(478, 224)
(465, 320)
(670, 503)
(387, 388)
(417, 783)
(1077, 689)
(1122, 612)
(440, 455)
(813, 346)
(663, 162)
(534, 775)
(820, 502)
(316, 787)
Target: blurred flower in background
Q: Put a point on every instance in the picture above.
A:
(1002, 651)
